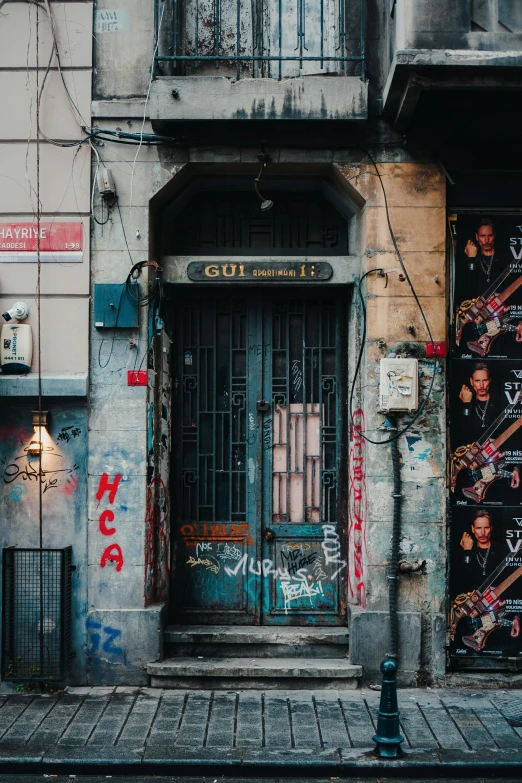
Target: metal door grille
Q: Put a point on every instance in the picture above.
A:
(36, 614)
(304, 401)
(214, 412)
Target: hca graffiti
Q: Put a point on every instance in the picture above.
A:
(112, 553)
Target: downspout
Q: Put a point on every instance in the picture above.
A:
(393, 576)
(388, 738)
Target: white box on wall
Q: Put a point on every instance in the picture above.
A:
(399, 385)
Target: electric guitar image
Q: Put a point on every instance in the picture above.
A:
(484, 607)
(489, 315)
(483, 459)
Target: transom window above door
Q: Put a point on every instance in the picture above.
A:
(230, 222)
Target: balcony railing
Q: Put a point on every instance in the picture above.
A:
(260, 38)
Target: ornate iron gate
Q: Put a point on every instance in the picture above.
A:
(260, 470)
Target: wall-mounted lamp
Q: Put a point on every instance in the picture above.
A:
(266, 203)
(36, 446)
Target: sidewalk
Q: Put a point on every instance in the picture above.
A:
(320, 731)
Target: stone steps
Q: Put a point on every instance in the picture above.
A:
(183, 641)
(244, 657)
(248, 673)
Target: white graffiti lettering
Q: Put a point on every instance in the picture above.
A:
(332, 549)
(295, 592)
(264, 568)
(228, 552)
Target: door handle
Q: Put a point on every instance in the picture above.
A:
(269, 535)
(262, 406)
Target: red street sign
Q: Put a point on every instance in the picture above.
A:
(59, 242)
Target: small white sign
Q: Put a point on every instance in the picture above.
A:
(111, 20)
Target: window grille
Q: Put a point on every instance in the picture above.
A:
(36, 614)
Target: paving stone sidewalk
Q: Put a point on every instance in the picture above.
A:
(226, 729)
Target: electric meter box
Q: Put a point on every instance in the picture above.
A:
(112, 307)
(399, 385)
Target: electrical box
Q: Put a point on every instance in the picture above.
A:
(399, 385)
(106, 185)
(112, 307)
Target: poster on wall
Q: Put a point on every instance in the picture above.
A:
(485, 432)
(487, 295)
(485, 585)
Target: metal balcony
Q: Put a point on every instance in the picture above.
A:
(260, 39)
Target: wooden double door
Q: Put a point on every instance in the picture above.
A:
(259, 487)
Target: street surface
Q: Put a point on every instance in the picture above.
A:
(316, 734)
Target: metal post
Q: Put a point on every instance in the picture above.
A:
(388, 737)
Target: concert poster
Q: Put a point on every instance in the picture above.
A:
(485, 432)
(487, 291)
(485, 584)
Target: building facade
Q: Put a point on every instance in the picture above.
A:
(213, 184)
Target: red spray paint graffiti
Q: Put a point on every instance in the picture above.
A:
(358, 512)
(13, 434)
(112, 553)
(70, 486)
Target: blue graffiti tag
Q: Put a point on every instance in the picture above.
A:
(19, 490)
(107, 647)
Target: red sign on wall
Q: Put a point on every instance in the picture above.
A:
(59, 242)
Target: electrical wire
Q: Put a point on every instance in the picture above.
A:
(123, 230)
(94, 181)
(363, 339)
(145, 115)
(39, 311)
(136, 299)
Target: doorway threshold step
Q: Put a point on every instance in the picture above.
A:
(238, 641)
(254, 634)
(248, 673)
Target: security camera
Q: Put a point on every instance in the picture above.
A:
(19, 311)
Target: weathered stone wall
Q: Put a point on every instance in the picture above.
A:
(416, 199)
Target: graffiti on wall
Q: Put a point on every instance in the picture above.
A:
(112, 552)
(358, 513)
(156, 564)
(10, 433)
(48, 469)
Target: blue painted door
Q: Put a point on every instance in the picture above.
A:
(260, 459)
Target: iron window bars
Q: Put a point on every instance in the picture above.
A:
(260, 38)
(36, 614)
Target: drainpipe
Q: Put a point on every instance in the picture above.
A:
(393, 576)
(388, 738)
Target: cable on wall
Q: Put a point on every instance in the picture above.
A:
(422, 406)
(155, 52)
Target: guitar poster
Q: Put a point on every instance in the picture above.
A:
(487, 291)
(485, 432)
(485, 585)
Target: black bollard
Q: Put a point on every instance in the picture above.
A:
(388, 736)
